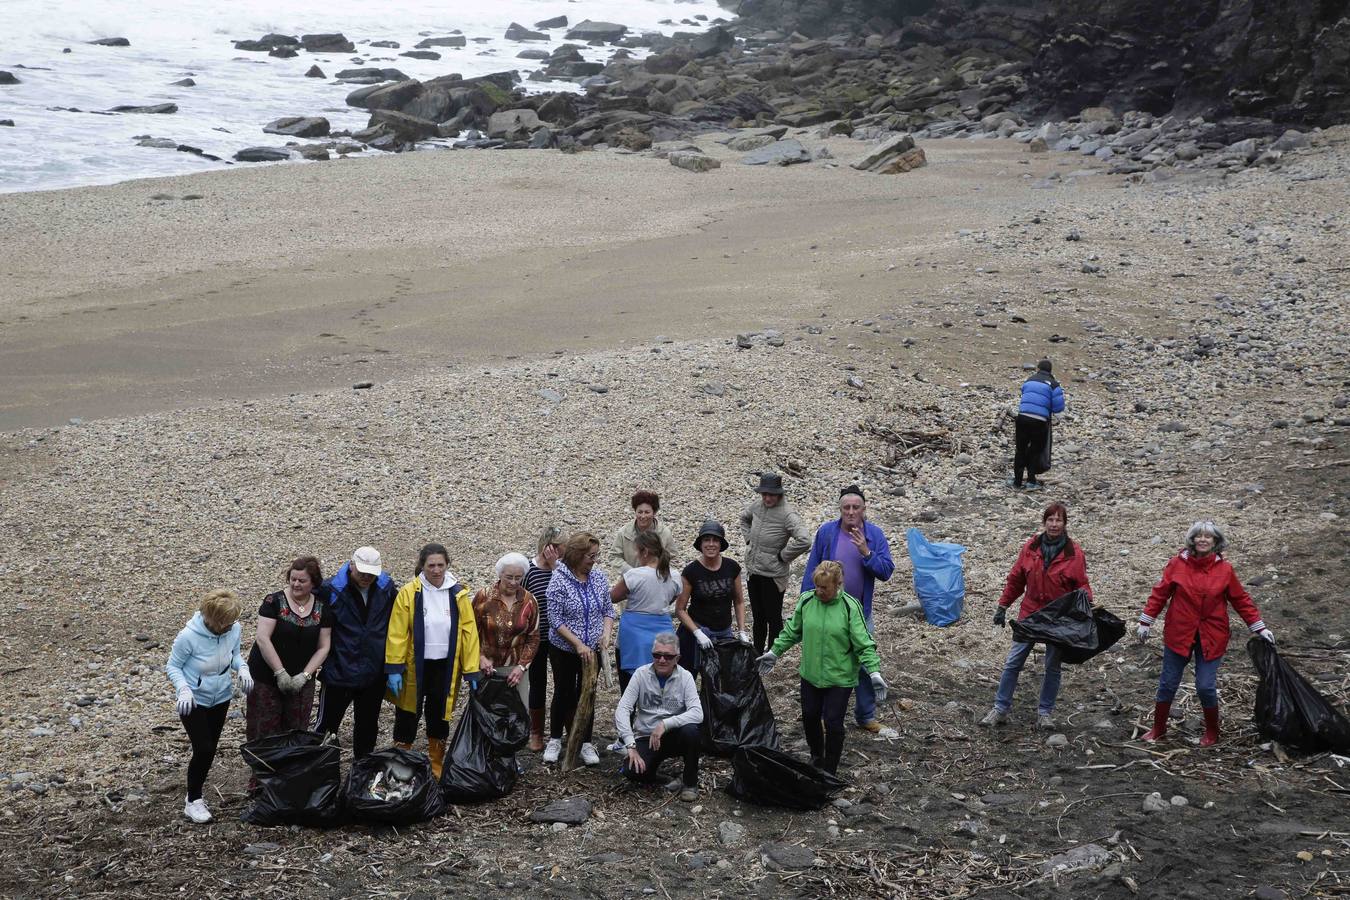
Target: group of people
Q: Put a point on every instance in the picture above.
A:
(365, 639)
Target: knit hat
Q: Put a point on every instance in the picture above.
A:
(852, 489)
(1043, 365)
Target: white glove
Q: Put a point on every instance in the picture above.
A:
(1143, 633)
(1267, 635)
(284, 682)
(186, 702)
(299, 681)
(767, 662)
(245, 679)
(743, 637)
(879, 685)
(704, 642)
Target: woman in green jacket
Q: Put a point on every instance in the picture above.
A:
(830, 626)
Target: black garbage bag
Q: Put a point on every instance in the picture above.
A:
(1072, 624)
(480, 763)
(736, 710)
(1292, 711)
(392, 787)
(299, 780)
(771, 777)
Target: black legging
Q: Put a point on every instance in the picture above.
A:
(203, 726)
(827, 704)
(566, 693)
(766, 606)
(1029, 437)
(539, 675)
(431, 693)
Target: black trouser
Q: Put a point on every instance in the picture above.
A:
(685, 741)
(766, 605)
(333, 703)
(1029, 443)
(566, 693)
(827, 705)
(539, 675)
(203, 726)
(432, 689)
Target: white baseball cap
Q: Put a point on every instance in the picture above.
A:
(367, 561)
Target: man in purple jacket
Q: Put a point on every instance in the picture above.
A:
(863, 552)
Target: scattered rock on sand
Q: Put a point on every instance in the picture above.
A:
(729, 834)
(1154, 802)
(693, 161)
(262, 154)
(298, 126)
(899, 154)
(779, 153)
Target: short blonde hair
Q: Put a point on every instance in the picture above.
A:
(220, 609)
(829, 573)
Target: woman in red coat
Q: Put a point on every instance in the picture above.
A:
(1199, 583)
(1049, 566)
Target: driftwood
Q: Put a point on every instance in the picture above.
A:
(585, 706)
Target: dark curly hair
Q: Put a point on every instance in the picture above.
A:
(647, 497)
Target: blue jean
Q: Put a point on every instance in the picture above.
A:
(865, 704)
(1206, 676)
(1012, 667)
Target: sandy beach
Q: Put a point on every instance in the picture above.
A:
(565, 325)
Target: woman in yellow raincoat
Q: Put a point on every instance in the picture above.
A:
(432, 643)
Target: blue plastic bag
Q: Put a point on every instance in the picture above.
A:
(939, 578)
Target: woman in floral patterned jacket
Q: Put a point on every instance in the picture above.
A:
(508, 624)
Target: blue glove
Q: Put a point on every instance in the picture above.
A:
(395, 683)
(473, 679)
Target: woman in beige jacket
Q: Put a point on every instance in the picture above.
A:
(776, 536)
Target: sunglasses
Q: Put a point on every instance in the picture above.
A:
(656, 655)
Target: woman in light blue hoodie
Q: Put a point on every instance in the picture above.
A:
(203, 655)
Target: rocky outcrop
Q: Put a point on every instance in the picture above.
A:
(327, 43)
(891, 157)
(298, 126)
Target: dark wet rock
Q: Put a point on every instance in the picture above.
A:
(283, 52)
(111, 42)
(262, 154)
(370, 75)
(268, 42)
(532, 53)
(421, 54)
(517, 32)
(387, 45)
(298, 126)
(596, 31)
(185, 82)
(9, 78)
(555, 22)
(327, 43)
(454, 40)
(159, 109)
(314, 72)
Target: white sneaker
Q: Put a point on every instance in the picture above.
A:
(196, 811)
(995, 716)
(589, 756)
(552, 750)
(616, 747)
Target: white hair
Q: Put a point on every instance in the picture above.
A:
(666, 639)
(513, 559)
(1206, 526)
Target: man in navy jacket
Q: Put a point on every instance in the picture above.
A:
(1042, 397)
(361, 595)
(863, 552)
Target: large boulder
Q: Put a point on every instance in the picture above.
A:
(596, 31)
(555, 22)
(267, 43)
(560, 109)
(370, 76)
(454, 40)
(712, 42)
(298, 126)
(780, 153)
(421, 54)
(327, 43)
(8, 78)
(405, 127)
(263, 154)
(891, 157)
(513, 124)
(386, 96)
(517, 32)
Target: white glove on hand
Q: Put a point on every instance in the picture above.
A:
(186, 702)
(743, 637)
(704, 642)
(299, 681)
(1143, 633)
(245, 679)
(284, 683)
(1267, 635)
(879, 685)
(767, 662)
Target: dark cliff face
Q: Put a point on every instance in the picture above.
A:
(1287, 60)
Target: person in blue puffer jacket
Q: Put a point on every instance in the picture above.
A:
(361, 596)
(1042, 397)
(204, 654)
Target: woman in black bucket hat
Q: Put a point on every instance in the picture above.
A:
(711, 593)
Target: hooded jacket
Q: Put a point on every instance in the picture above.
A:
(777, 536)
(405, 647)
(1067, 572)
(1196, 592)
(834, 638)
(356, 656)
(202, 662)
(878, 566)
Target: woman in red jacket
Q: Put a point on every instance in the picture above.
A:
(1199, 583)
(1049, 566)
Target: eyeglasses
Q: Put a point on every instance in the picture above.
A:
(592, 557)
(656, 655)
